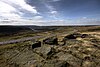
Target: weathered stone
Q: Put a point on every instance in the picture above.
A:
(36, 44)
(89, 64)
(84, 35)
(75, 52)
(56, 63)
(14, 65)
(46, 51)
(72, 60)
(61, 43)
(72, 36)
(36, 64)
(51, 41)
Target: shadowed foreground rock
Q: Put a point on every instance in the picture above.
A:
(73, 36)
(36, 44)
(84, 35)
(51, 41)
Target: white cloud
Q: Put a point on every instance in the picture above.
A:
(50, 22)
(23, 5)
(24, 22)
(52, 0)
(37, 18)
(53, 12)
(13, 10)
(6, 11)
(9, 9)
(56, 0)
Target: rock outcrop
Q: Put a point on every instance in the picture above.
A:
(71, 52)
(36, 44)
(51, 41)
(72, 36)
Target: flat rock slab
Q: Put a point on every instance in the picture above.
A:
(51, 41)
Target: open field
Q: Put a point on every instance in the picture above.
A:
(50, 46)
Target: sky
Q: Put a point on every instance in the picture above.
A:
(49, 12)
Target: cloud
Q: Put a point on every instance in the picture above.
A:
(6, 11)
(15, 9)
(88, 21)
(42, 22)
(55, 0)
(52, 12)
(37, 18)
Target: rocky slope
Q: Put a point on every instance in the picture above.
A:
(72, 50)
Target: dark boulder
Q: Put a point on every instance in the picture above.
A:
(36, 44)
(72, 36)
(84, 35)
(51, 41)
